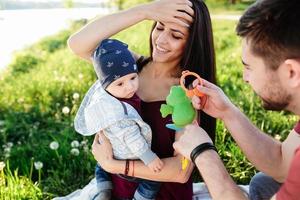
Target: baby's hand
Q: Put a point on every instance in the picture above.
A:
(156, 165)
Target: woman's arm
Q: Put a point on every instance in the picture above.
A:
(171, 172)
(85, 40)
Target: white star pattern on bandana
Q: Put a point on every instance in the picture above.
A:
(118, 51)
(134, 67)
(116, 77)
(125, 64)
(102, 51)
(110, 64)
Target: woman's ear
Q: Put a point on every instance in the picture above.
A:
(292, 71)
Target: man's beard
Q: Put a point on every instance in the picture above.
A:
(272, 105)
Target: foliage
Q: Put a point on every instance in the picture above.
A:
(13, 186)
(124, 4)
(228, 6)
(41, 92)
(68, 3)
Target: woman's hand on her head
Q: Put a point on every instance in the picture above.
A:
(215, 104)
(172, 11)
(102, 150)
(192, 137)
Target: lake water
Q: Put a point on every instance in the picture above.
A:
(19, 28)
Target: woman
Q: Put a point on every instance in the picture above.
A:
(181, 39)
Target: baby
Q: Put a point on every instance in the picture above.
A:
(111, 106)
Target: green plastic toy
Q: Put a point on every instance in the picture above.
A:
(180, 106)
(182, 110)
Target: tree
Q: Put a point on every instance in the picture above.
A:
(123, 4)
(68, 3)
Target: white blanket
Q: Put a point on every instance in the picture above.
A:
(89, 192)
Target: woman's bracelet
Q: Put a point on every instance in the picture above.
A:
(201, 148)
(126, 167)
(133, 168)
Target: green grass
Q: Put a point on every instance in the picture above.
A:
(14, 186)
(224, 7)
(47, 78)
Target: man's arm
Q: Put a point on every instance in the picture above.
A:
(217, 179)
(264, 152)
(290, 188)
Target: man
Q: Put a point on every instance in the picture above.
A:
(270, 31)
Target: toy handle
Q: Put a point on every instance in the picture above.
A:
(194, 91)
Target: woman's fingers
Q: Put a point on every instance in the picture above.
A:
(96, 139)
(187, 10)
(185, 2)
(179, 12)
(95, 142)
(180, 22)
(184, 17)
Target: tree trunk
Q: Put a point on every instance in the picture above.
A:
(232, 1)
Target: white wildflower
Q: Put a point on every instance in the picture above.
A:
(227, 153)
(75, 151)
(54, 145)
(21, 100)
(63, 79)
(66, 110)
(76, 96)
(2, 165)
(83, 142)
(86, 148)
(38, 165)
(74, 144)
(7, 149)
(9, 144)
(269, 131)
(277, 137)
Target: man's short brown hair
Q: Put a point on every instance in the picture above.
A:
(273, 27)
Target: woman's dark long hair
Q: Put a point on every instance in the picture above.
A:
(199, 56)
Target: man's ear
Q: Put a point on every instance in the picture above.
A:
(293, 72)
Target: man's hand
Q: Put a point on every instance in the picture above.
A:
(192, 137)
(215, 104)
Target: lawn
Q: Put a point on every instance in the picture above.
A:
(41, 92)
